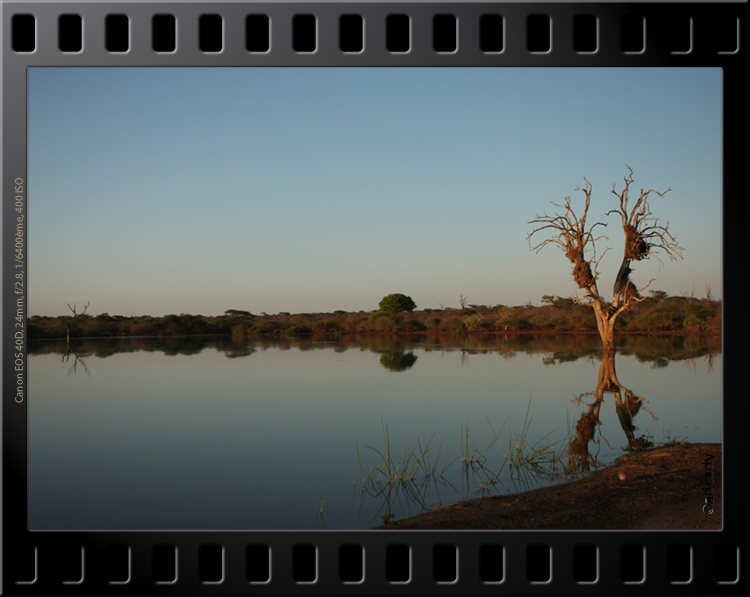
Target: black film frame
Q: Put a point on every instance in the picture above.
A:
(316, 562)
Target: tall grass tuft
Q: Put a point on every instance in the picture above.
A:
(527, 461)
(414, 474)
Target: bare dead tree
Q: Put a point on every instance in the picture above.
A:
(643, 237)
(73, 319)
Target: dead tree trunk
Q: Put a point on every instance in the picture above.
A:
(605, 323)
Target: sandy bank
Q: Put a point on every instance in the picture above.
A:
(664, 488)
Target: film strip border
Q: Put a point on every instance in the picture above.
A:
(486, 563)
(388, 33)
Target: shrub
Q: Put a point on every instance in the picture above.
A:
(458, 329)
(240, 329)
(413, 326)
(512, 324)
(475, 323)
(694, 323)
(561, 324)
(696, 317)
(327, 326)
(584, 320)
(352, 323)
(380, 322)
(267, 327)
(540, 322)
(299, 329)
(658, 318)
(433, 322)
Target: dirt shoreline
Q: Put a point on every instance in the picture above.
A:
(665, 488)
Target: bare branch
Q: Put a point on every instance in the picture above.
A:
(643, 298)
(629, 298)
(569, 232)
(643, 234)
(74, 309)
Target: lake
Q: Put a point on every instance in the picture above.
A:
(214, 433)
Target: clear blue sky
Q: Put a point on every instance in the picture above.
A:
(188, 190)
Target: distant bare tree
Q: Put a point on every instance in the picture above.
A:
(643, 236)
(72, 320)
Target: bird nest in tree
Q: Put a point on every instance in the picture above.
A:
(582, 273)
(636, 247)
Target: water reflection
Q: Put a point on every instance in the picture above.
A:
(408, 480)
(398, 360)
(228, 419)
(528, 464)
(627, 406)
(78, 359)
(657, 350)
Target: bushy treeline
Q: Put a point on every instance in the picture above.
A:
(657, 313)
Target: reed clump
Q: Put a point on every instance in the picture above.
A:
(406, 477)
(414, 475)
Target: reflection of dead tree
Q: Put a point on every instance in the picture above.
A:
(581, 459)
(77, 359)
(73, 319)
(627, 406)
(643, 235)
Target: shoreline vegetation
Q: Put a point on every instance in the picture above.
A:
(671, 487)
(657, 314)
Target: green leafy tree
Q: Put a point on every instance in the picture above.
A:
(393, 304)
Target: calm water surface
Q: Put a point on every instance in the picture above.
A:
(207, 433)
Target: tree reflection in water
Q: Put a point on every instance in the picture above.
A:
(398, 360)
(627, 406)
(77, 359)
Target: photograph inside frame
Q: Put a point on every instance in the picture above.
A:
(453, 314)
(356, 298)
